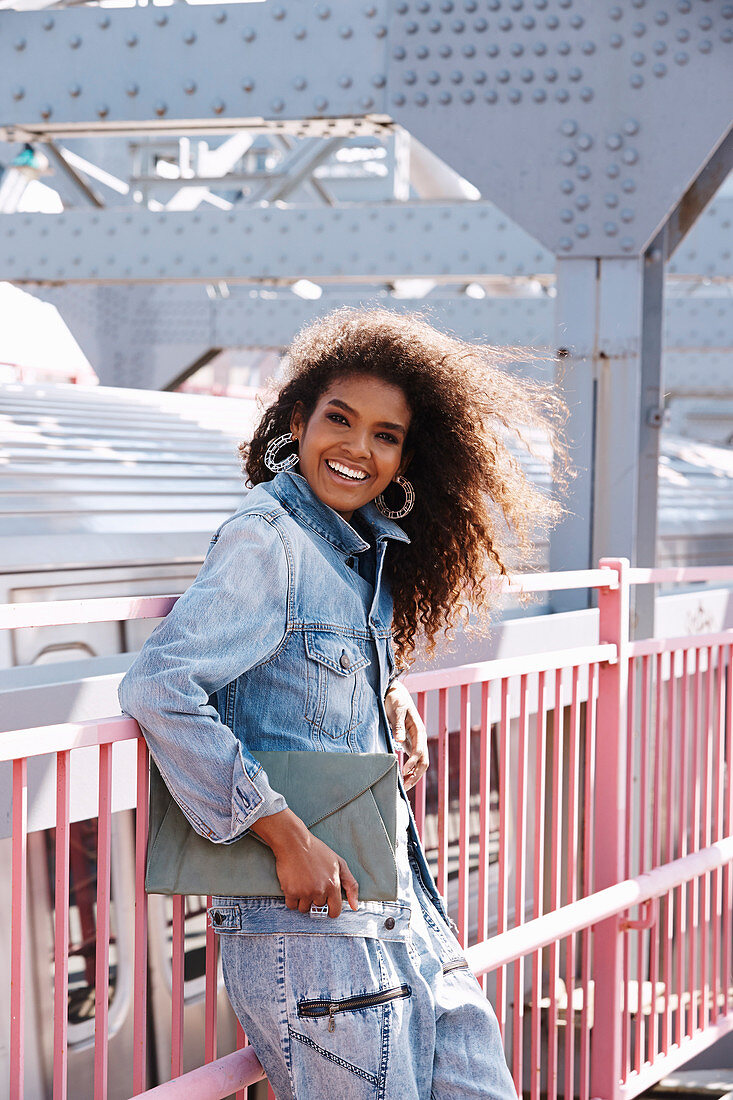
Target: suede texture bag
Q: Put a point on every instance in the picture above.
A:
(348, 800)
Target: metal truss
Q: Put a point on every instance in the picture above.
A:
(556, 110)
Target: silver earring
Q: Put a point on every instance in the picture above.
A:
(273, 446)
(400, 513)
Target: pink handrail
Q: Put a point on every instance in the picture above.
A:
(596, 842)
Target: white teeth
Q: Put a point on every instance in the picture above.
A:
(355, 475)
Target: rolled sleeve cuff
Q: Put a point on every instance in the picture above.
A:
(255, 798)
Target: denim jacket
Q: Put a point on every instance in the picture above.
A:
(273, 647)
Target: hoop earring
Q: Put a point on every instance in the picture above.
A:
(273, 446)
(399, 513)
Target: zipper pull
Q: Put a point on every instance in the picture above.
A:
(331, 1018)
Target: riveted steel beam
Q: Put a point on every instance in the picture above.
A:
(558, 113)
(373, 242)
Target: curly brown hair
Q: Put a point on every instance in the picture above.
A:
(476, 513)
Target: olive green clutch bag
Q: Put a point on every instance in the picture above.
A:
(348, 800)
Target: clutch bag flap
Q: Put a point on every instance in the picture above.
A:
(348, 800)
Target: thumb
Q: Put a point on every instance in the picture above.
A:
(349, 883)
(398, 731)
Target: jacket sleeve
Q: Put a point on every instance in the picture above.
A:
(234, 616)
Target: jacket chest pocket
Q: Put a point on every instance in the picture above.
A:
(335, 682)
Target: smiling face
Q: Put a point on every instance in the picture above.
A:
(351, 446)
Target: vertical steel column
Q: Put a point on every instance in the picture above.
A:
(608, 330)
(609, 833)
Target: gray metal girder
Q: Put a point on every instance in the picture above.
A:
(370, 242)
(558, 111)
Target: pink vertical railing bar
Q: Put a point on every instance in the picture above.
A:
(520, 853)
(18, 929)
(694, 844)
(140, 971)
(728, 824)
(626, 960)
(538, 883)
(609, 824)
(101, 961)
(178, 947)
(555, 856)
(420, 787)
(704, 838)
(671, 805)
(212, 951)
(464, 794)
(656, 800)
(241, 1044)
(645, 798)
(270, 1092)
(502, 916)
(572, 877)
(484, 820)
(61, 929)
(682, 939)
(716, 826)
(443, 791)
(589, 840)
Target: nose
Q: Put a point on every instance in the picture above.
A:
(357, 444)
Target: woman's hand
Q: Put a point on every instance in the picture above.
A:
(309, 872)
(408, 731)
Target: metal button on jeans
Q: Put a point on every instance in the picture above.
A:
(217, 918)
(389, 923)
(345, 660)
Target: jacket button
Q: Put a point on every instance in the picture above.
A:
(389, 923)
(217, 918)
(345, 660)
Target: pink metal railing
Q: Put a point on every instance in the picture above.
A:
(590, 782)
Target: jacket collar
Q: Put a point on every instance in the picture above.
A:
(294, 492)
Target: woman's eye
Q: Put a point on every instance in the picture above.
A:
(388, 437)
(337, 417)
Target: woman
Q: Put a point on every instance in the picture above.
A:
(285, 641)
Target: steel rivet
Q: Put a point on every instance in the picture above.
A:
(467, 96)
(189, 37)
(161, 20)
(479, 77)
(551, 75)
(218, 106)
(636, 81)
(248, 84)
(539, 95)
(131, 40)
(249, 34)
(323, 11)
(345, 32)
(567, 187)
(610, 199)
(563, 48)
(582, 202)
(582, 230)
(421, 99)
(49, 23)
(19, 44)
(379, 80)
(683, 35)
(160, 107)
(399, 53)
(398, 99)
(705, 46)
(627, 244)
(480, 25)
(456, 77)
(681, 58)
(75, 90)
(445, 50)
(613, 171)
(610, 229)
(583, 172)
(189, 87)
(300, 32)
(574, 73)
(627, 215)
(469, 50)
(586, 94)
(75, 41)
(616, 41)
(527, 76)
(565, 244)
(18, 92)
(630, 156)
(366, 102)
(566, 215)
(569, 127)
(380, 31)
(628, 186)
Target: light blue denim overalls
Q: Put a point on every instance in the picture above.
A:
(282, 642)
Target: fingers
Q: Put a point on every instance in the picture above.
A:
(415, 767)
(349, 883)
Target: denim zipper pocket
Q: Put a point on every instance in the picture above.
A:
(456, 964)
(350, 1004)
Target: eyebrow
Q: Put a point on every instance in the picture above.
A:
(381, 423)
